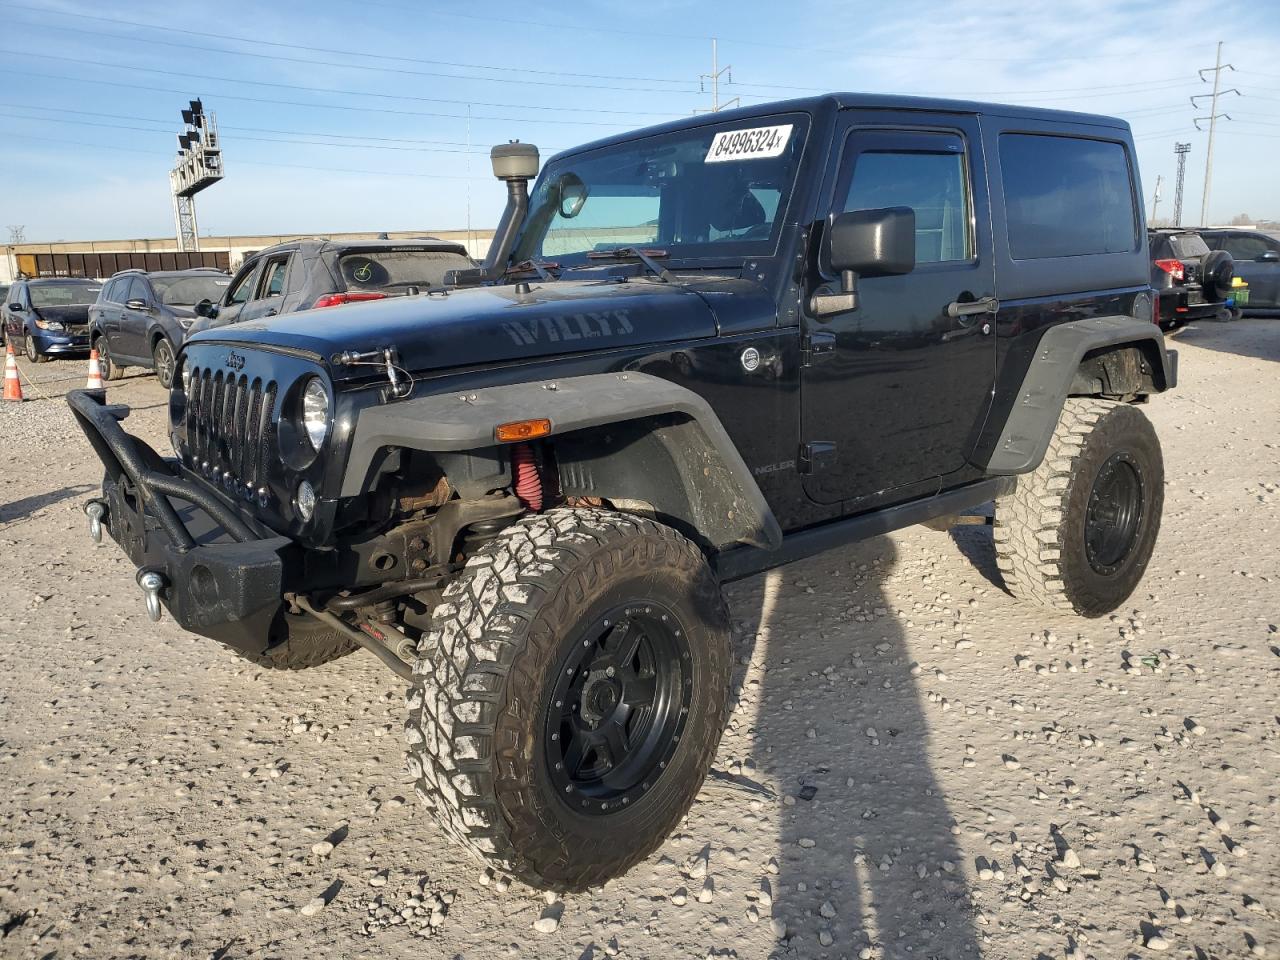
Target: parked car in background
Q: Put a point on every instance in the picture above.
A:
(4, 292)
(49, 317)
(141, 319)
(1191, 281)
(1257, 260)
(303, 274)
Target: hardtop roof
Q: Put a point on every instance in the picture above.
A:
(870, 101)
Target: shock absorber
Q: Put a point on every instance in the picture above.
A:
(528, 481)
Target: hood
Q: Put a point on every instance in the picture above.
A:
(75, 313)
(487, 325)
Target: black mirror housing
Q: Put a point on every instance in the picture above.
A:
(1268, 256)
(206, 308)
(873, 243)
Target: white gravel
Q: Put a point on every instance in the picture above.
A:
(1113, 796)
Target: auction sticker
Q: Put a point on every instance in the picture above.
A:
(756, 143)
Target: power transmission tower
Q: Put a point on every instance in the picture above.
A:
(17, 233)
(1216, 69)
(1155, 199)
(199, 165)
(1181, 150)
(714, 78)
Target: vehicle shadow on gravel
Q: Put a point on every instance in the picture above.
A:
(1258, 338)
(866, 855)
(25, 506)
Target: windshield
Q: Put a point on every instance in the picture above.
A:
(63, 294)
(188, 291)
(713, 191)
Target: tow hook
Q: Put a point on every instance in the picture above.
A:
(95, 510)
(151, 583)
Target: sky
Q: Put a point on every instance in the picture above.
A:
(378, 115)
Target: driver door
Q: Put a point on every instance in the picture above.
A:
(893, 401)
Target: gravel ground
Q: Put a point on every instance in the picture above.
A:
(917, 766)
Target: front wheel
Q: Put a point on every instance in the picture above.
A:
(163, 362)
(1078, 532)
(32, 351)
(570, 695)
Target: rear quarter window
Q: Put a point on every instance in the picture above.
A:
(391, 269)
(1067, 196)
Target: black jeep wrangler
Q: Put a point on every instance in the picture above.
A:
(693, 352)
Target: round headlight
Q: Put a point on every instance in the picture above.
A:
(315, 412)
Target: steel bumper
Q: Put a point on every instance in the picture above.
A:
(217, 575)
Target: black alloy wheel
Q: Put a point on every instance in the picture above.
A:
(1114, 514)
(618, 707)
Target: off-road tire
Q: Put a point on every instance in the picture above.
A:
(109, 369)
(1040, 527)
(484, 673)
(301, 642)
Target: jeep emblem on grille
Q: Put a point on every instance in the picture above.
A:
(235, 361)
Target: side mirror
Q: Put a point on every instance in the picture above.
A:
(866, 243)
(206, 308)
(1269, 256)
(16, 307)
(137, 303)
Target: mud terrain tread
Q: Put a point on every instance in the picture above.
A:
(1027, 521)
(465, 732)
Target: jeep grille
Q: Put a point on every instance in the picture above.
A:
(229, 427)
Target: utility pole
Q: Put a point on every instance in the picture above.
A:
(714, 78)
(17, 233)
(1180, 150)
(1155, 200)
(1217, 69)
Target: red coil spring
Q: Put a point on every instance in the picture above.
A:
(528, 481)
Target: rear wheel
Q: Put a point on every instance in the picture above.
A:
(163, 362)
(106, 366)
(570, 695)
(1078, 532)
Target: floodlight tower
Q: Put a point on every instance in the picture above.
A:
(199, 165)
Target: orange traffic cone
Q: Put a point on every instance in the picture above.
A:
(95, 372)
(12, 385)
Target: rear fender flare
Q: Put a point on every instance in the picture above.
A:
(1050, 377)
(620, 436)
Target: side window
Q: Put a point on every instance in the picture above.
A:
(107, 292)
(273, 276)
(138, 290)
(242, 285)
(926, 173)
(1066, 196)
(1245, 248)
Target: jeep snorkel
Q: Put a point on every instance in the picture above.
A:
(517, 164)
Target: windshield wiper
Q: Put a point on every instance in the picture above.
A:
(541, 268)
(646, 257)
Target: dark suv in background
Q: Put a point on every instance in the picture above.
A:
(1191, 281)
(141, 319)
(1257, 260)
(303, 274)
(45, 318)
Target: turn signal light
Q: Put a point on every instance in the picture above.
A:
(522, 430)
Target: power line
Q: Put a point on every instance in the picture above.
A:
(319, 106)
(188, 75)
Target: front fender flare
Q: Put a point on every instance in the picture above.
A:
(628, 436)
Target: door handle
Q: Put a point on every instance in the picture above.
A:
(972, 308)
(271, 313)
